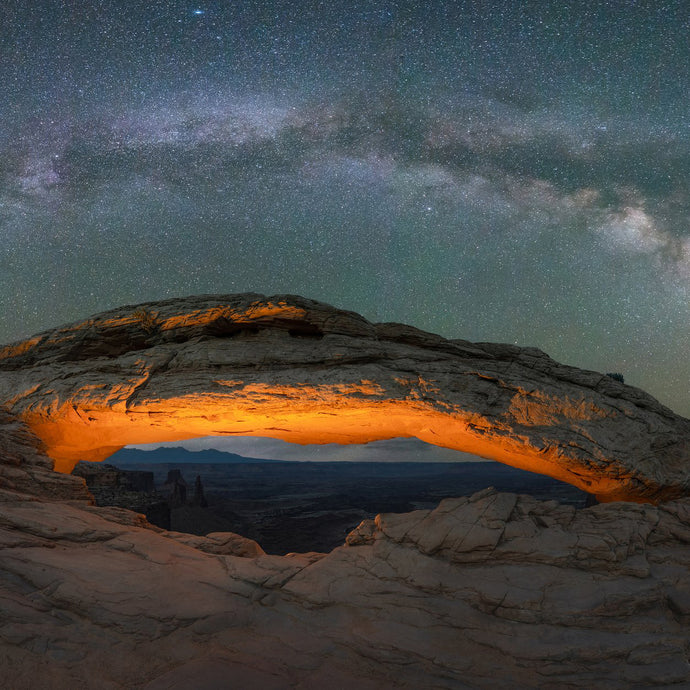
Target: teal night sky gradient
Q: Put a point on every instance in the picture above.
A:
(494, 171)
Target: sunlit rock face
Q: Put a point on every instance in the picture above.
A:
(303, 371)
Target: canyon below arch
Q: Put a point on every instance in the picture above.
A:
(493, 590)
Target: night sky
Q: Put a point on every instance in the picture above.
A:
(495, 171)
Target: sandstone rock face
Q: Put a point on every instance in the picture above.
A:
(493, 591)
(303, 371)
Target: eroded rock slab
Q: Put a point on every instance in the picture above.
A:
(491, 591)
(306, 372)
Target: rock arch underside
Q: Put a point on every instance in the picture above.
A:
(303, 371)
(488, 591)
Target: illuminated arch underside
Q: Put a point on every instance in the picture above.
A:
(302, 371)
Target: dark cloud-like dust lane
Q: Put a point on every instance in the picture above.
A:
(513, 172)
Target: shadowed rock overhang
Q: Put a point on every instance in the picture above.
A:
(302, 371)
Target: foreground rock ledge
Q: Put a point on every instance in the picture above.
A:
(494, 591)
(303, 371)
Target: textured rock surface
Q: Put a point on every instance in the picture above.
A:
(492, 591)
(303, 371)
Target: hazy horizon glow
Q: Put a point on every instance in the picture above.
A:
(391, 450)
(511, 172)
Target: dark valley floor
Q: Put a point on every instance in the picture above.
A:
(297, 506)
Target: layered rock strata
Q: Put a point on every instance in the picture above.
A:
(303, 371)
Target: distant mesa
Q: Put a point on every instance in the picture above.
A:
(177, 454)
(295, 369)
(136, 490)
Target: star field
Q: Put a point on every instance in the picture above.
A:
(513, 172)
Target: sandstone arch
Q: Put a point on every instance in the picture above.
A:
(302, 371)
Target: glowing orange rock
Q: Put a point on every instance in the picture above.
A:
(305, 372)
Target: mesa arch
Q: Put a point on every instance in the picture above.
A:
(303, 371)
